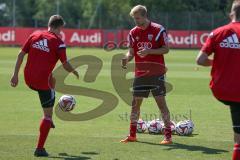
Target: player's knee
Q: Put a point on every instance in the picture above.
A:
(48, 111)
(137, 101)
(135, 107)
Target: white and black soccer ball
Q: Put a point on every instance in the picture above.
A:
(185, 128)
(141, 126)
(66, 103)
(173, 127)
(154, 127)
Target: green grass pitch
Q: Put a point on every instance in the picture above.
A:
(20, 113)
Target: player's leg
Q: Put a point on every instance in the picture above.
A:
(235, 114)
(47, 99)
(159, 95)
(162, 105)
(139, 92)
(135, 112)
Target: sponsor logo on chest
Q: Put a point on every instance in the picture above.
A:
(144, 45)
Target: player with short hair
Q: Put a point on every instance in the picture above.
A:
(44, 49)
(148, 43)
(225, 73)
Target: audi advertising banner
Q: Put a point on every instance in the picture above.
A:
(99, 37)
(187, 39)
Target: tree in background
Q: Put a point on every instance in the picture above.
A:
(114, 14)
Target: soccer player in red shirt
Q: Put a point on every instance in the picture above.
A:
(225, 73)
(44, 49)
(148, 43)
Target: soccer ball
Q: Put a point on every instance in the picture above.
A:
(141, 126)
(155, 127)
(173, 127)
(66, 103)
(184, 128)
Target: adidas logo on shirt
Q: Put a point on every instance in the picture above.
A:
(230, 42)
(42, 45)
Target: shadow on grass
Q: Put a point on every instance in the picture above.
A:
(66, 156)
(192, 135)
(174, 146)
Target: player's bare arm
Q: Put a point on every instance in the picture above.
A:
(203, 59)
(14, 78)
(68, 67)
(158, 51)
(128, 57)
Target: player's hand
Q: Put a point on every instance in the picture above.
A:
(14, 81)
(76, 74)
(143, 53)
(124, 63)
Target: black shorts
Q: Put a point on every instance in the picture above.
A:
(235, 114)
(47, 97)
(142, 86)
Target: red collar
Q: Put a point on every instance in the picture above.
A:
(148, 27)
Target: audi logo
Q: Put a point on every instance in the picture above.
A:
(144, 45)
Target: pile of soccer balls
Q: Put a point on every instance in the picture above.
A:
(182, 128)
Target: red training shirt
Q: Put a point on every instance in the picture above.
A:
(44, 50)
(224, 43)
(153, 37)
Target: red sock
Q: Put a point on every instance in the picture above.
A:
(236, 152)
(133, 129)
(168, 133)
(45, 126)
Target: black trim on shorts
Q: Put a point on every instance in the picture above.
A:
(47, 97)
(235, 114)
(142, 86)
